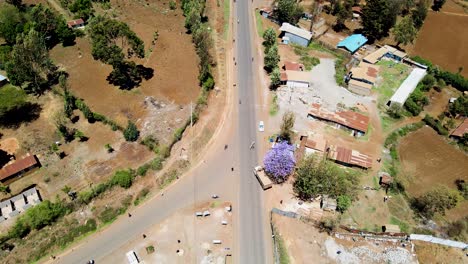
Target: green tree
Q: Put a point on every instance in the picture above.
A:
(131, 133)
(172, 5)
(342, 12)
(11, 100)
(437, 200)
(377, 18)
(5, 52)
(459, 107)
(271, 58)
(419, 14)
(288, 11)
(16, 3)
(30, 62)
(343, 203)
(275, 78)
(11, 23)
(269, 38)
(287, 125)
(437, 4)
(404, 32)
(122, 178)
(82, 8)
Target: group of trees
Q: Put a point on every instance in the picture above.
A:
(194, 22)
(81, 8)
(271, 57)
(29, 33)
(459, 107)
(322, 177)
(112, 42)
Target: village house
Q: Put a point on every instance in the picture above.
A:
(348, 157)
(357, 11)
(296, 35)
(355, 122)
(299, 79)
(311, 144)
(19, 203)
(460, 130)
(362, 78)
(18, 168)
(76, 24)
(352, 43)
(385, 51)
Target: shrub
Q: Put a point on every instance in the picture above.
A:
(156, 164)
(141, 196)
(172, 5)
(435, 124)
(143, 169)
(150, 142)
(343, 203)
(131, 133)
(122, 178)
(108, 215)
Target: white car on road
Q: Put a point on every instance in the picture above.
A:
(261, 126)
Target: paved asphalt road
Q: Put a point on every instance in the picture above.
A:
(213, 176)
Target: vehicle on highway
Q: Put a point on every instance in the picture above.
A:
(261, 126)
(132, 257)
(262, 178)
(214, 196)
(91, 261)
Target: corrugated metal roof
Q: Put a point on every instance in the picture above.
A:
(300, 76)
(360, 84)
(293, 66)
(351, 119)
(17, 166)
(348, 156)
(286, 27)
(461, 129)
(353, 42)
(408, 86)
(2, 78)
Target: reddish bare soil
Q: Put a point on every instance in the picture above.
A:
(428, 160)
(443, 38)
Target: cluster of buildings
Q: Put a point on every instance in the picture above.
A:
(19, 203)
(317, 145)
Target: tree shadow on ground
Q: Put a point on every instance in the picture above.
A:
(25, 114)
(128, 75)
(5, 158)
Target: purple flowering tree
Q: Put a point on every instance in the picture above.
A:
(279, 161)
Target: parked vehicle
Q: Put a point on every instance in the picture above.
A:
(132, 257)
(261, 126)
(264, 181)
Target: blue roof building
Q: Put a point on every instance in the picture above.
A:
(352, 43)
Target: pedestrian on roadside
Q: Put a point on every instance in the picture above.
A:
(232, 169)
(129, 215)
(281, 202)
(178, 241)
(144, 236)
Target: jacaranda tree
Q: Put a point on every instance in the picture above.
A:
(279, 161)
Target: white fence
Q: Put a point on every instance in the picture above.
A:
(436, 240)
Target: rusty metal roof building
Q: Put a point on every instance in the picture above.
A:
(349, 157)
(293, 66)
(350, 119)
(461, 129)
(18, 166)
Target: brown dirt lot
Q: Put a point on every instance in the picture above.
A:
(428, 160)
(431, 253)
(443, 38)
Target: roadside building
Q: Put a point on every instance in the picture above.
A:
(355, 122)
(385, 51)
(3, 80)
(385, 180)
(266, 12)
(362, 78)
(299, 79)
(311, 145)
(76, 24)
(407, 87)
(293, 66)
(328, 204)
(352, 43)
(460, 130)
(18, 168)
(295, 35)
(349, 157)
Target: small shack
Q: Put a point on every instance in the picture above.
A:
(352, 43)
(76, 24)
(385, 180)
(328, 204)
(295, 35)
(460, 130)
(393, 229)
